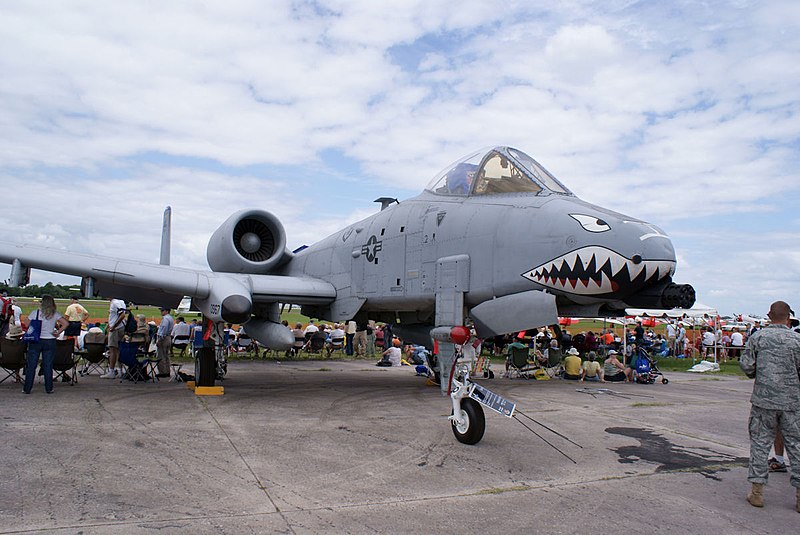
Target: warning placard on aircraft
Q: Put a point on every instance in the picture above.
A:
(494, 401)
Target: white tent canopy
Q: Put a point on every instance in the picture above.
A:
(698, 310)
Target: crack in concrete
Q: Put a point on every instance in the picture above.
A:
(258, 481)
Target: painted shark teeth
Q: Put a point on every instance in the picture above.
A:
(597, 270)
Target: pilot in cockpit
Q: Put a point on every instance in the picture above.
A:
(460, 178)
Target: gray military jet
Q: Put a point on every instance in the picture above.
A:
(494, 239)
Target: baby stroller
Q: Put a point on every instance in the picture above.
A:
(645, 368)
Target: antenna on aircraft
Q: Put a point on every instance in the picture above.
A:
(386, 201)
(166, 237)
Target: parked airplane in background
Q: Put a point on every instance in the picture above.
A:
(185, 305)
(494, 238)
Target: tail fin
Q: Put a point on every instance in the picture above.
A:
(166, 237)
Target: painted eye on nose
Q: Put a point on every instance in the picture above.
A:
(590, 223)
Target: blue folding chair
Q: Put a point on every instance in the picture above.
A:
(198, 342)
(136, 370)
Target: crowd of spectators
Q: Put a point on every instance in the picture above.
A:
(583, 356)
(44, 325)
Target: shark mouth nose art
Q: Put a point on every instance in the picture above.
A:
(597, 270)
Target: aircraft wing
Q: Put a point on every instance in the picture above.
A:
(219, 296)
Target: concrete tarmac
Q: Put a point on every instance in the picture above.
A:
(346, 447)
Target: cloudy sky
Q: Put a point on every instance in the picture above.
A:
(684, 114)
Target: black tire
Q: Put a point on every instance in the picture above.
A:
(491, 374)
(664, 381)
(476, 423)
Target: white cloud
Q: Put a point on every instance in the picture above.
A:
(669, 111)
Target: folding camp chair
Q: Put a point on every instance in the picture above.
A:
(297, 346)
(519, 365)
(315, 343)
(180, 342)
(94, 358)
(336, 344)
(197, 341)
(151, 366)
(135, 369)
(12, 358)
(65, 360)
(147, 358)
(246, 344)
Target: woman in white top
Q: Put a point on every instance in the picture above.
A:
(737, 343)
(52, 325)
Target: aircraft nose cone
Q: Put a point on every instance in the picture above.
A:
(236, 309)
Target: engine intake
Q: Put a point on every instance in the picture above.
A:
(253, 240)
(249, 241)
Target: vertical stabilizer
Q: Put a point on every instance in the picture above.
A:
(166, 237)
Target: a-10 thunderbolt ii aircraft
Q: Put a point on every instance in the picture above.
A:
(494, 239)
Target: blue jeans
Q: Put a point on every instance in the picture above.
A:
(47, 348)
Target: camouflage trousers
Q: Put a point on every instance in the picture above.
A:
(763, 424)
(360, 343)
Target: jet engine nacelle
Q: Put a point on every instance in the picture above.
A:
(249, 241)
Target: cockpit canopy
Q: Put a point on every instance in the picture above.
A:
(494, 171)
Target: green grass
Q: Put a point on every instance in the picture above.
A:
(682, 365)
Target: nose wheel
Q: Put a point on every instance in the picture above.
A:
(469, 423)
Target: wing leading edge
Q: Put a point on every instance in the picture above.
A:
(161, 285)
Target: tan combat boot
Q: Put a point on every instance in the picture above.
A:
(756, 495)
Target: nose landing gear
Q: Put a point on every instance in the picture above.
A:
(469, 422)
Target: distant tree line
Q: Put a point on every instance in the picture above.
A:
(58, 291)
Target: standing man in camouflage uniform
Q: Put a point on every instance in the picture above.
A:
(772, 356)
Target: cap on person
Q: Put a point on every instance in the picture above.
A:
(611, 352)
(572, 351)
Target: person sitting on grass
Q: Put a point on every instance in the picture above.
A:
(632, 353)
(613, 369)
(591, 370)
(572, 365)
(393, 355)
